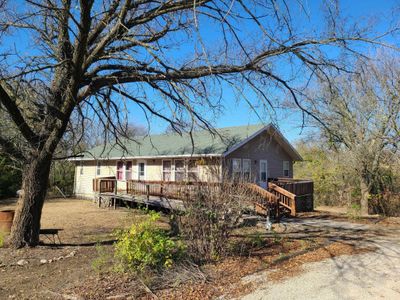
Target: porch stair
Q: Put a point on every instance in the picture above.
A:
(274, 201)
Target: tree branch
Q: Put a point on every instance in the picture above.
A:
(17, 117)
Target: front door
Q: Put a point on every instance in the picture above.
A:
(141, 170)
(263, 173)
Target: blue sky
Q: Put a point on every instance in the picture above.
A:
(290, 122)
(234, 112)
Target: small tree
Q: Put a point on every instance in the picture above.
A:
(210, 216)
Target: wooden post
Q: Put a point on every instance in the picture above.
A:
(277, 213)
(293, 210)
(147, 195)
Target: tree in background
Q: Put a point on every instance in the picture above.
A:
(361, 120)
(88, 58)
(320, 165)
(10, 177)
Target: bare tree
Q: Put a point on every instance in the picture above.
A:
(361, 114)
(89, 58)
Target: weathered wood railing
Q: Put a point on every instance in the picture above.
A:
(262, 199)
(276, 196)
(105, 185)
(265, 201)
(299, 187)
(169, 189)
(285, 198)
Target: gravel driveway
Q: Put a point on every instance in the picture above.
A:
(371, 275)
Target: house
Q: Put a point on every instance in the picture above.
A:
(255, 153)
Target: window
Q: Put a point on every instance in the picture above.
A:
(98, 168)
(236, 167)
(128, 170)
(81, 168)
(120, 170)
(263, 170)
(246, 169)
(286, 167)
(193, 170)
(141, 170)
(179, 170)
(166, 170)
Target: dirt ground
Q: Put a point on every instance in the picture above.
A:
(82, 225)
(66, 270)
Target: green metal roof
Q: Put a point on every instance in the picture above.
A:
(171, 144)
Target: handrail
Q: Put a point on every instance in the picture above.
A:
(286, 198)
(263, 192)
(277, 188)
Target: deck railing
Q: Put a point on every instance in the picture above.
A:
(104, 185)
(279, 194)
(262, 199)
(299, 187)
(285, 198)
(169, 189)
(303, 191)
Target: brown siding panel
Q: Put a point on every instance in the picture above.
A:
(263, 147)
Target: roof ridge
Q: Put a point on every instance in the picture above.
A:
(202, 130)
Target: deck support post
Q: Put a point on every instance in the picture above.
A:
(277, 211)
(147, 195)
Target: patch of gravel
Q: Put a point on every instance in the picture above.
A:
(371, 275)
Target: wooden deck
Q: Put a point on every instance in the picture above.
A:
(107, 199)
(280, 196)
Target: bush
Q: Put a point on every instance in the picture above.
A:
(146, 247)
(387, 204)
(210, 217)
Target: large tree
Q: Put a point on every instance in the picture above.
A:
(361, 114)
(168, 57)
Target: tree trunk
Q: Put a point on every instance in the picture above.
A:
(364, 188)
(26, 225)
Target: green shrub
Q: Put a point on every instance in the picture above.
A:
(145, 246)
(1, 240)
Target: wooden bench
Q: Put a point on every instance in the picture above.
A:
(51, 232)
